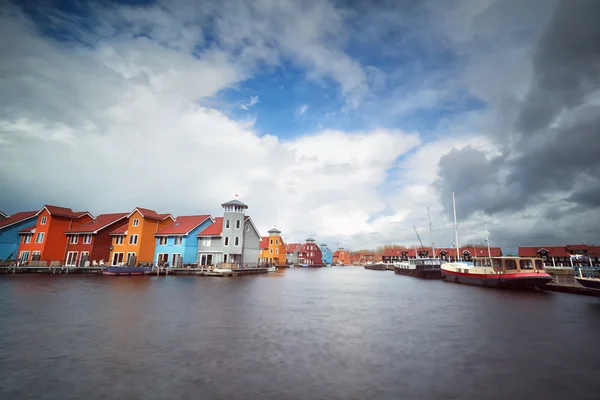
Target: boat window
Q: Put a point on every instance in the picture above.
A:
(539, 264)
(525, 264)
(497, 262)
(510, 264)
(477, 263)
(486, 262)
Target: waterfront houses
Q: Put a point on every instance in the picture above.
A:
(177, 243)
(310, 254)
(291, 250)
(89, 243)
(232, 239)
(564, 256)
(134, 242)
(326, 254)
(272, 249)
(45, 242)
(10, 225)
(391, 255)
(341, 257)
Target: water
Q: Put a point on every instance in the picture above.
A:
(335, 333)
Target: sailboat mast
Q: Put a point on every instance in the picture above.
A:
(431, 234)
(418, 237)
(487, 239)
(455, 228)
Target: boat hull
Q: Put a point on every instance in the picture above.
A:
(126, 271)
(376, 267)
(423, 274)
(589, 283)
(504, 281)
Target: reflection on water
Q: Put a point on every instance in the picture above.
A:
(335, 333)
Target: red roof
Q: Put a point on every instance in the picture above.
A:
(594, 250)
(29, 229)
(214, 229)
(64, 212)
(100, 222)
(16, 218)
(292, 247)
(264, 242)
(553, 251)
(182, 225)
(151, 214)
(121, 230)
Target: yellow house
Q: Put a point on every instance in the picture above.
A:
(272, 248)
(134, 242)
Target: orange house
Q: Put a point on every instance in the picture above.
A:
(134, 242)
(272, 248)
(341, 257)
(46, 242)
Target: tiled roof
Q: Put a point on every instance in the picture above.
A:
(151, 214)
(16, 218)
(182, 225)
(264, 243)
(234, 203)
(64, 212)
(554, 251)
(100, 222)
(121, 230)
(29, 229)
(214, 229)
(292, 247)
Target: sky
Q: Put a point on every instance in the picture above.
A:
(344, 121)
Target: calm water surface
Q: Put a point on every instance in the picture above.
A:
(335, 333)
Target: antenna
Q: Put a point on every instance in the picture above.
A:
(487, 239)
(431, 233)
(455, 227)
(418, 237)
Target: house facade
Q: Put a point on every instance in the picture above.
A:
(272, 249)
(231, 241)
(326, 254)
(91, 241)
(9, 233)
(310, 253)
(176, 244)
(134, 242)
(341, 257)
(45, 242)
(291, 257)
(564, 256)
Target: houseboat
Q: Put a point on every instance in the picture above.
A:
(426, 268)
(500, 272)
(378, 266)
(588, 276)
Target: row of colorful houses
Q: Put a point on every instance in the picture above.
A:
(391, 255)
(60, 236)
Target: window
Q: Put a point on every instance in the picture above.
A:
(117, 258)
(539, 265)
(71, 259)
(162, 241)
(178, 240)
(131, 258)
(27, 238)
(177, 261)
(226, 241)
(85, 256)
(227, 224)
(247, 228)
(87, 239)
(237, 224)
(40, 237)
(133, 239)
(525, 264)
(205, 241)
(35, 256)
(136, 222)
(276, 241)
(24, 256)
(119, 240)
(237, 241)
(74, 239)
(271, 242)
(510, 264)
(44, 220)
(276, 251)
(270, 251)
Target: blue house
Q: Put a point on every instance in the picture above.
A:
(177, 244)
(327, 255)
(9, 232)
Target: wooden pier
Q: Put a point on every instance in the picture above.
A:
(564, 282)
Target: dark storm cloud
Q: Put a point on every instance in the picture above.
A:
(557, 132)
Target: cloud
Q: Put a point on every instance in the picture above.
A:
(246, 105)
(302, 110)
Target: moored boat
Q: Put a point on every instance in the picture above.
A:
(115, 270)
(499, 272)
(426, 268)
(588, 276)
(379, 266)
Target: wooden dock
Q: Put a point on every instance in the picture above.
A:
(564, 282)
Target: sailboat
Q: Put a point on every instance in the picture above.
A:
(499, 272)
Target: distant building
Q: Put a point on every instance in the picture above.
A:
(564, 256)
(9, 233)
(310, 253)
(341, 257)
(292, 253)
(232, 239)
(176, 244)
(273, 249)
(327, 254)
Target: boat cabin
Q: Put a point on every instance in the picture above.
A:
(425, 263)
(510, 264)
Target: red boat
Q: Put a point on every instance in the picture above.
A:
(500, 272)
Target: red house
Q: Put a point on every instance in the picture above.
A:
(91, 241)
(560, 256)
(310, 254)
(45, 242)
